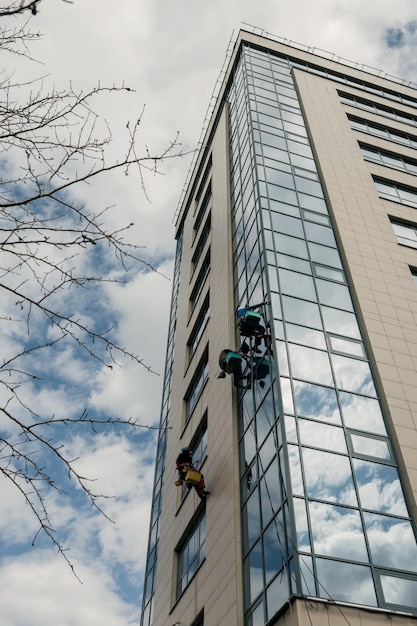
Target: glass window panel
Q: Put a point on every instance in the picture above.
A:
(320, 234)
(334, 294)
(292, 263)
(307, 576)
(255, 571)
(307, 186)
(306, 336)
(316, 402)
(199, 327)
(344, 581)
(298, 148)
(300, 161)
(305, 173)
(408, 197)
(265, 417)
(253, 517)
(197, 386)
(285, 91)
(291, 102)
(400, 591)
(275, 154)
(276, 305)
(293, 117)
(324, 255)
(281, 193)
(314, 204)
(337, 532)
(301, 524)
(362, 413)
(274, 549)
(267, 452)
(379, 487)
(282, 358)
(298, 285)
(367, 153)
(392, 542)
(340, 322)
(310, 364)
(270, 493)
(369, 446)
(273, 278)
(191, 554)
(277, 159)
(274, 164)
(406, 234)
(297, 128)
(277, 595)
(301, 312)
(288, 225)
(326, 272)
(290, 245)
(322, 436)
(316, 217)
(411, 168)
(295, 470)
(287, 399)
(269, 240)
(296, 137)
(270, 257)
(328, 477)
(257, 617)
(271, 121)
(279, 330)
(390, 161)
(291, 429)
(266, 93)
(353, 375)
(273, 141)
(348, 347)
(287, 209)
(280, 178)
(249, 445)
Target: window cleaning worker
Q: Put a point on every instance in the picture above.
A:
(188, 474)
(230, 362)
(250, 325)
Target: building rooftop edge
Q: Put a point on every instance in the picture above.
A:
(246, 36)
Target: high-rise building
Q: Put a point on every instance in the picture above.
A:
(303, 204)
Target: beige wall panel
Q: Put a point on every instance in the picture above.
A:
(217, 586)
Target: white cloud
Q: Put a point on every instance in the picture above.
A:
(171, 53)
(142, 308)
(39, 589)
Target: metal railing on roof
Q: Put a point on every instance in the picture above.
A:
(255, 30)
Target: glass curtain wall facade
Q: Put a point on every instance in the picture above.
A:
(323, 508)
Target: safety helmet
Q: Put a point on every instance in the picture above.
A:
(186, 449)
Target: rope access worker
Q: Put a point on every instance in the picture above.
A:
(249, 322)
(188, 474)
(230, 362)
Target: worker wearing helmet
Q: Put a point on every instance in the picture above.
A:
(184, 463)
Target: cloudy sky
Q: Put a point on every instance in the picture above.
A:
(171, 54)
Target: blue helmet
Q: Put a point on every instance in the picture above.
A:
(186, 449)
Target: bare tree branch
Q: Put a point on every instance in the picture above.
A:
(23, 6)
(53, 144)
